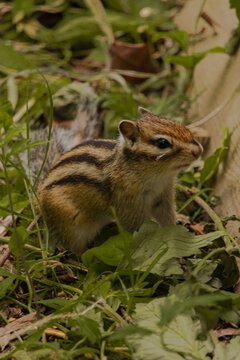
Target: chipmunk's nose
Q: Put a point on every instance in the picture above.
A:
(197, 150)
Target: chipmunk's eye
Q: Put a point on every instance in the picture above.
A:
(163, 143)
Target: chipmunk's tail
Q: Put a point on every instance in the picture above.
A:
(85, 126)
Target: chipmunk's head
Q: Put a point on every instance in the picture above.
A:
(164, 142)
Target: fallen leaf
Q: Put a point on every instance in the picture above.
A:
(56, 333)
(224, 332)
(197, 229)
(134, 57)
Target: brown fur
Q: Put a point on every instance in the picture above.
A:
(132, 175)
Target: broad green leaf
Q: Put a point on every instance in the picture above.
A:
(230, 351)
(151, 239)
(167, 343)
(110, 252)
(182, 337)
(12, 59)
(86, 326)
(170, 310)
(38, 354)
(187, 61)
(190, 61)
(150, 348)
(152, 248)
(235, 4)
(181, 37)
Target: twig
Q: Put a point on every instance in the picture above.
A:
(127, 317)
(46, 319)
(33, 223)
(5, 256)
(7, 221)
(109, 310)
(6, 240)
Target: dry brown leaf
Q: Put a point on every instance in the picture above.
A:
(228, 331)
(197, 229)
(135, 57)
(55, 332)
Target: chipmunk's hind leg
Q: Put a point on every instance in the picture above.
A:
(83, 231)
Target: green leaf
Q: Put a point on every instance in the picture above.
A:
(235, 4)
(12, 59)
(170, 310)
(212, 163)
(55, 303)
(6, 106)
(6, 120)
(129, 330)
(6, 283)
(166, 343)
(230, 351)
(181, 37)
(12, 131)
(22, 8)
(101, 18)
(86, 326)
(153, 248)
(151, 240)
(190, 61)
(17, 147)
(19, 201)
(110, 252)
(23, 236)
(187, 61)
(38, 354)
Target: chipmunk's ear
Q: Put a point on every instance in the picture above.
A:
(129, 131)
(144, 112)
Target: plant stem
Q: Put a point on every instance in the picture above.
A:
(20, 251)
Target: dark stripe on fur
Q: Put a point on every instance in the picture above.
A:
(104, 186)
(81, 158)
(98, 144)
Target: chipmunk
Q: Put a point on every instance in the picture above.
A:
(134, 174)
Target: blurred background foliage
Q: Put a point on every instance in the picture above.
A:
(126, 50)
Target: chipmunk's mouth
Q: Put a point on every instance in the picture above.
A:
(183, 166)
